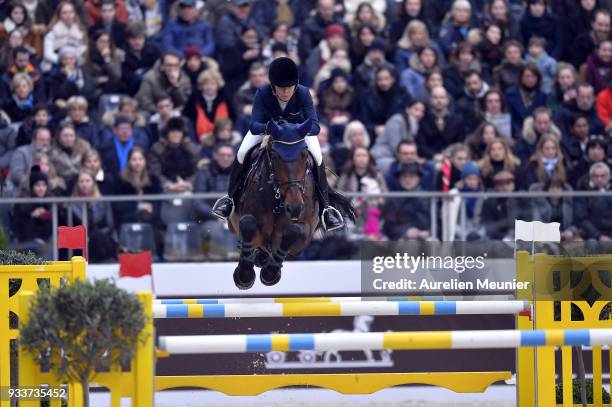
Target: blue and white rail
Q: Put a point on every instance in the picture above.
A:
(492, 339)
(351, 308)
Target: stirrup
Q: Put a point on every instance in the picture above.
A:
(217, 202)
(338, 215)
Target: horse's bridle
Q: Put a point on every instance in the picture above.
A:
(299, 183)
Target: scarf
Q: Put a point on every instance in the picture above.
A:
(209, 100)
(31, 9)
(446, 170)
(464, 28)
(26, 104)
(78, 79)
(29, 70)
(122, 151)
(527, 95)
(550, 164)
(470, 203)
(480, 94)
(9, 25)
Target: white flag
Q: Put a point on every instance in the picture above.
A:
(523, 231)
(546, 232)
(537, 231)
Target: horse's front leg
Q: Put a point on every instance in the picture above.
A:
(244, 274)
(271, 272)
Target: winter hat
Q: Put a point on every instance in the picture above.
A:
(174, 124)
(36, 175)
(334, 30)
(338, 72)
(192, 52)
(470, 168)
(378, 44)
(121, 119)
(409, 168)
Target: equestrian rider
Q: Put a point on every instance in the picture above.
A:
(283, 100)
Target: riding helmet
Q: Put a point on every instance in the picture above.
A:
(283, 72)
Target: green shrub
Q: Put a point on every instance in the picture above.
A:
(14, 257)
(577, 389)
(76, 327)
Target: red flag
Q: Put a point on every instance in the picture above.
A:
(72, 238)
(136, 265)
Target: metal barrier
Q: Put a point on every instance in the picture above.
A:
(436, 199)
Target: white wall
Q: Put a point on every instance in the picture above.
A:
(189, 280)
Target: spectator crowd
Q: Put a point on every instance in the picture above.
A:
(142, 97)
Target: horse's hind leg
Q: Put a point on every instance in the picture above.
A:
(244, 274)
(271, 272)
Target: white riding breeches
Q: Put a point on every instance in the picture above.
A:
(315, 149)
(251, 140)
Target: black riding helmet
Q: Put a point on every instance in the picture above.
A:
(283, 72)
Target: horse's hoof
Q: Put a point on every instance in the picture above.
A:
(260, 258)
(270, 275)
(244, 279)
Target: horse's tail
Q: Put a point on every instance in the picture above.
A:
(343, 204)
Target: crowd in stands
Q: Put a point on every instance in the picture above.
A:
(140, 97)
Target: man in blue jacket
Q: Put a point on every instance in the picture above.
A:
(283, 100)
(188, 31)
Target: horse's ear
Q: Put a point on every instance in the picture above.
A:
(274, 128)
(304, 128)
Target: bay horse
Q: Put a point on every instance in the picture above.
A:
(278, 212)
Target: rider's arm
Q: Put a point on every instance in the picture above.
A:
(259, 122)
(309, 111)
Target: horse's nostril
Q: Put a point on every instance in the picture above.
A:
(294, 211)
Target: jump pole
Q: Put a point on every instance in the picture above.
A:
(354, 308)
(491, 339)
(285, 300)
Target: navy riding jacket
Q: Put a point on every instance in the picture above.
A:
(298, 110)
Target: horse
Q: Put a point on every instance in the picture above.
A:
(278, 212)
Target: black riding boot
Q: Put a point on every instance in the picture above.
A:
(330, 216)
(225, 205)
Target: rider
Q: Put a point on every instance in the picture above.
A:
(284, 100)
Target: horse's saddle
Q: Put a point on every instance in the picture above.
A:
(252, 161)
